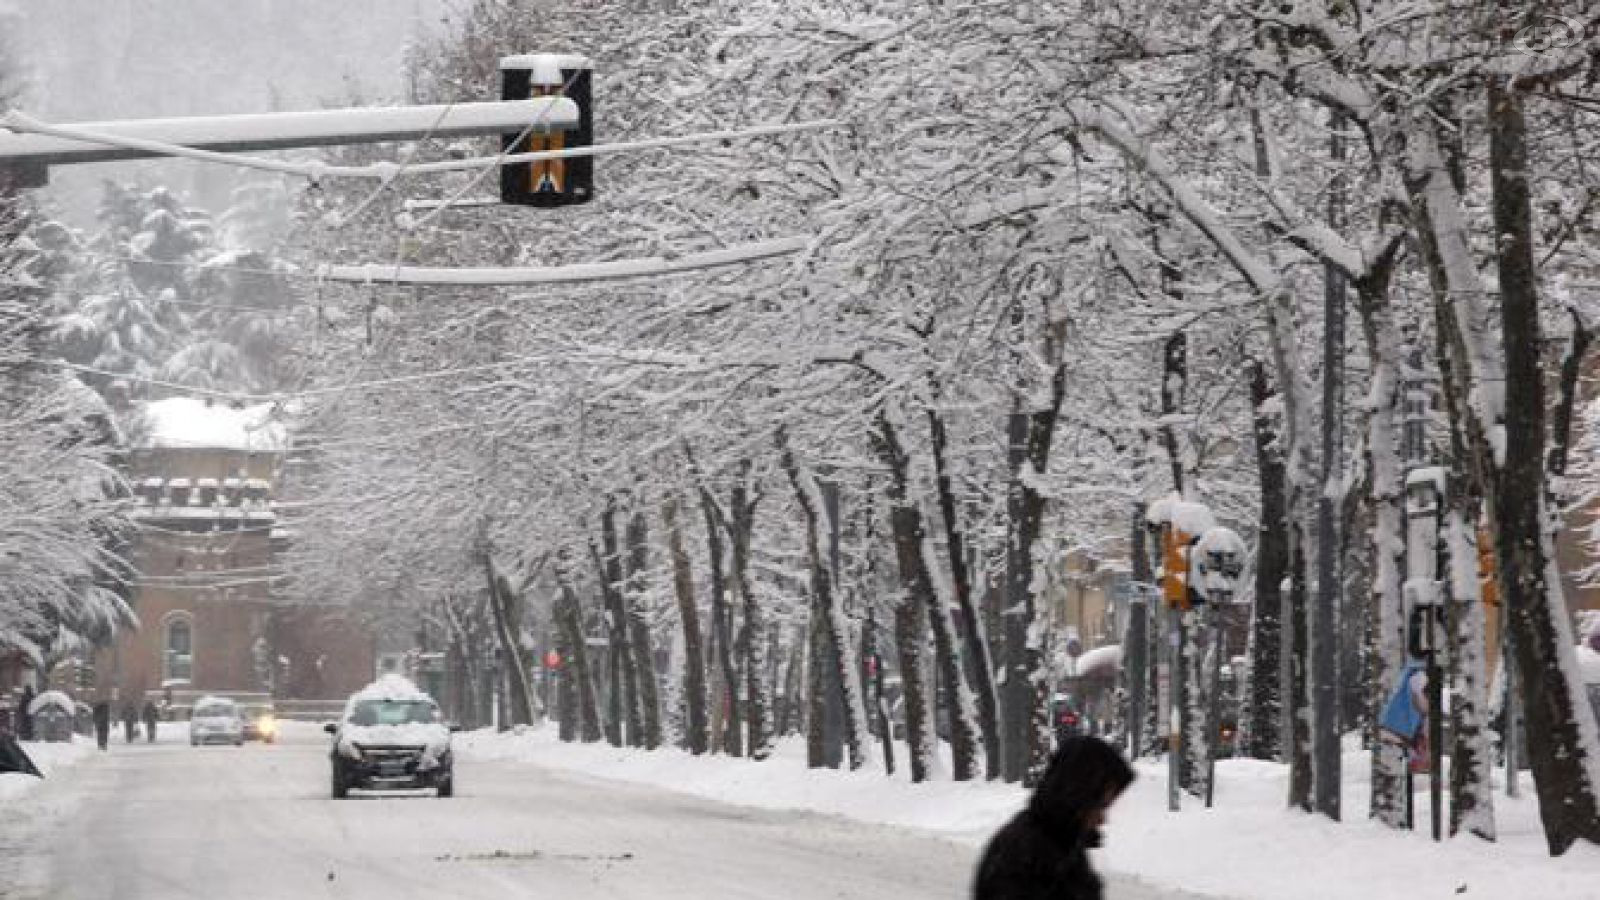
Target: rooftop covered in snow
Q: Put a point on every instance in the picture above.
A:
(190, 423)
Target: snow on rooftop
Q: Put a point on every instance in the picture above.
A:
(178, 422)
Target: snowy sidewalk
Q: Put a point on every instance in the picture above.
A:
(50, 758)
(1249, 847)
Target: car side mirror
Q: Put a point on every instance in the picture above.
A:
(331, 728)
(454, 727)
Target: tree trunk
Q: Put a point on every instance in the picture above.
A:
(1327, 758)
(575, 655)
(1563, 748)
(916, 576)
(727, 698)
(741, 529)
(835, 628)
(502, 602)
(880, 708)
(1382, 337)
(697, 734)
(644, 660)
(1029, 436)
(1263, 738)
(523, 700)
(622, 703)
(911, 641)
(980, 664)
(1471, 794)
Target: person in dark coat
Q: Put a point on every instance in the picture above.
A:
(1042, 853)
(24, 714)
(150, 718)
(102, 723)
(130, 720)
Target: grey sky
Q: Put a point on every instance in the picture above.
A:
(109, 59)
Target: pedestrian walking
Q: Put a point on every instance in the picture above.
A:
(1042, 853)
(102, 723)
(150, 719)
(25, 714)
(130, 721)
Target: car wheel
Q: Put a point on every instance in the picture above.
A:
(194, 742)
(341, 789)
(447, 786)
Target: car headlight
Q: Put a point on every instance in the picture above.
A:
(267, 724)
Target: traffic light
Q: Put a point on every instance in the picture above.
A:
(1175, 568)
(1487, 581)
(548, 182)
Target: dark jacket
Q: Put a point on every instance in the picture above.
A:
(1042, 853)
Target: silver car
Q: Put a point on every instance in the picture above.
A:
(216, 720)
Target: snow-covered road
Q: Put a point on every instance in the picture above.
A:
(256, 822)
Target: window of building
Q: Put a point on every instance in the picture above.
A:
(179, 655)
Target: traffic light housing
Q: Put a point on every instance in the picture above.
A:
(549, 182)
(1175, 568)
(1488, 583)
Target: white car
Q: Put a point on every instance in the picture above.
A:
(216, 720)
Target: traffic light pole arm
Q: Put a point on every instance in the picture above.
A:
(41, 144)
(212, 138)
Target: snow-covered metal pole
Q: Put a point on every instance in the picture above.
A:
(1424, 491)
(1218, 561)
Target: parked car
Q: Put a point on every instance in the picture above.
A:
(390, 736)
(53, 716)
(216, 720)
(260, 724)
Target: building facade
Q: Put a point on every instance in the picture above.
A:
(212, 619)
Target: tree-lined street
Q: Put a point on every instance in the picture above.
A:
(170, 821)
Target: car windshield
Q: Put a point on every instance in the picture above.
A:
(213, 711)
(393, 712)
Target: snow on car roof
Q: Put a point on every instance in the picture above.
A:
(49, 699)
(391, 687)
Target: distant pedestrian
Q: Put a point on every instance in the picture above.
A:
(130, 720)
(1042, 853)
(150, 719)
(102, 723)
(25, 720)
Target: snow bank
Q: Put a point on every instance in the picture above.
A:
(179, 422)
(1588, 664)
(50, 759)
(1249, 847)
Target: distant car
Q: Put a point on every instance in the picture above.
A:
(391, 735)
(260, 724)
(216, 720)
